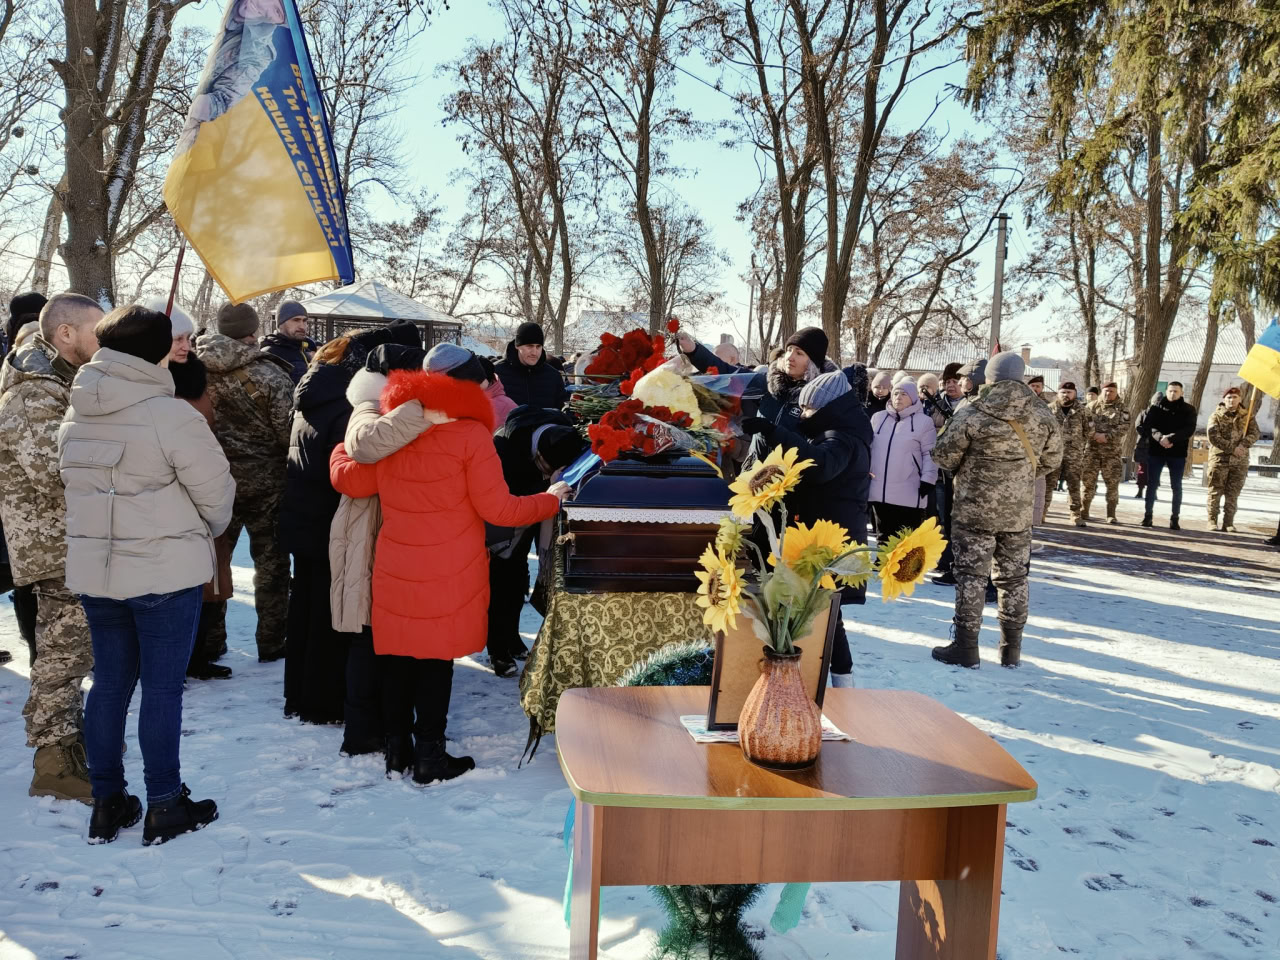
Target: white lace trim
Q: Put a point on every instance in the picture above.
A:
(644, 514)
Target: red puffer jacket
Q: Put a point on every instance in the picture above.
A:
(431, 569)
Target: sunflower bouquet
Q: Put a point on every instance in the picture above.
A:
(806, 563)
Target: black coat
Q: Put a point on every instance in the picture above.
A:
(296, 353)
(538, 386)
(779, 404)
(1174, 420)
(838, 440)
(320, 416)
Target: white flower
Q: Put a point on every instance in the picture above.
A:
(666, 388)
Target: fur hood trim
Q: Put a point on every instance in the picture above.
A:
(459, 399)
(365, 387)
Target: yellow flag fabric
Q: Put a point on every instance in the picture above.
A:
(1262, 365)
(253, 184)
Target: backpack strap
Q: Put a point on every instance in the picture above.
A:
(1026, 444)
(252, 389)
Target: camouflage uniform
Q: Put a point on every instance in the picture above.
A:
(1227, 470)
(1111, 420)
(252, 398)
(35, 389)
(1073, 423)
(994, 492)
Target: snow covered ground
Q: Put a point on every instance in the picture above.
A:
(1147, 707)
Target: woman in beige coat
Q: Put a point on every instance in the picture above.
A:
(147, 489)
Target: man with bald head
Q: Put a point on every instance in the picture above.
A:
(35, 390)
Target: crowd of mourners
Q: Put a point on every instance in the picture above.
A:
(391, 495)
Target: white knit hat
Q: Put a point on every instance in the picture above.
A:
(179, 319)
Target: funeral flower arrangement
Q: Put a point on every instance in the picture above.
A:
(640, 403)
(806, 563)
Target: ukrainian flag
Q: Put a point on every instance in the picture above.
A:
(1262, 366)
(254, 184)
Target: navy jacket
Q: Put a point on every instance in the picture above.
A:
(296, 353)
(538, 386)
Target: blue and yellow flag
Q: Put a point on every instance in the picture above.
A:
(1262, 366)
(254, 184)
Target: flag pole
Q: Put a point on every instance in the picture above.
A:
(177, 271)
(1253, 399)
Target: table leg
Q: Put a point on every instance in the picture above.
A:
(584, 929)
(957, 916)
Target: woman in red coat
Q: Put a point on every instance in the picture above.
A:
(431, 568)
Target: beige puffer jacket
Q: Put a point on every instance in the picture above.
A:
(370, 437)
(147, 484)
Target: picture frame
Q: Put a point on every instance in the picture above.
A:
(737, 665)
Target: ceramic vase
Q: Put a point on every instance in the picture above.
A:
(780, 726)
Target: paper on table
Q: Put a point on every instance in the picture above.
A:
(697, 726)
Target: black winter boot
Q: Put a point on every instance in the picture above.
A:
(433, 763)
(110, 816)
(177, 816)
(1010, 644)
(1173, 523)
(962, 651)
(399, 755)
(1146, 519)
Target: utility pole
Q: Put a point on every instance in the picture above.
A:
(751, 303)
(997, 300)
(1115, 349)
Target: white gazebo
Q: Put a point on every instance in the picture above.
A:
(375, 301)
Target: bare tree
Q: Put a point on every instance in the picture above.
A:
(689, 261)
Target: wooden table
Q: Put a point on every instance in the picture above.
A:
(918, 797)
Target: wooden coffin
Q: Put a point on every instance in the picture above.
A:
(640, 525)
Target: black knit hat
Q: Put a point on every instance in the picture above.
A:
(471, 370)
(812, 341)
(951, 372)
(137, 331)
(25, 303)
(560, 446)
(528, 333)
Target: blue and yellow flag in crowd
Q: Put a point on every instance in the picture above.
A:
(1262, 366)
(254, 184)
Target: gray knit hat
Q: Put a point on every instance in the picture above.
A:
(1005, 366)
(444, 356)
(289, 310)
(821, 390)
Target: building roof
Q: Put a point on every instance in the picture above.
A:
(1187, 347)
(929, 354)
(373, 300)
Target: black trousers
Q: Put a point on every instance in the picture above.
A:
(415, 696)
(24, 608)
(363, 708)
(891, 518)
(508, 583)
(204, 650)
(315, 670)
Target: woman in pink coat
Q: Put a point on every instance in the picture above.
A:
(903, 473)
(431, 568)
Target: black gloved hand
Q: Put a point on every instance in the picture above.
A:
(753, 425)
(927, 489)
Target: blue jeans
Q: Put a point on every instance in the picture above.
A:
(1156, 465)
(148, 638)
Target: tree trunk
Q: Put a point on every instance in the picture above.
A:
(50, 237)
(1206, 360)
(1248, 324)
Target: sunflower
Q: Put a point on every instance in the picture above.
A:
(806, 550)
(906, 558)
(721, 590)
(767, 482)
(729, 536)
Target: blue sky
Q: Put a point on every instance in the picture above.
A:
(719, 177)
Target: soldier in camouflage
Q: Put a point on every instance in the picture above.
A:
(996, 446)
(1231, 433)
(252, 397)
(35, 390)
(1073, 424)
(1108, 420)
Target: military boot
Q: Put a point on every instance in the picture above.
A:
(62, 772)
(962, 651)
(1010, 644)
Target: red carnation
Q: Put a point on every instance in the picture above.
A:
(673, 325)
(713, 371)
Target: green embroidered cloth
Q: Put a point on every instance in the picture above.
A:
(590, 639)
